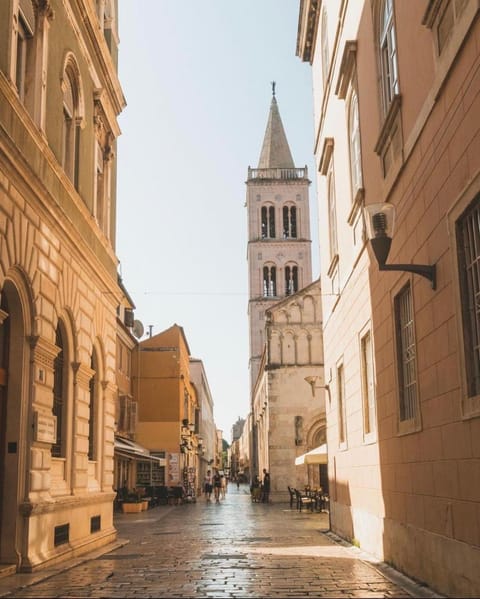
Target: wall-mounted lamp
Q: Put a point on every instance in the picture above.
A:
(312, 381)
(380, 220)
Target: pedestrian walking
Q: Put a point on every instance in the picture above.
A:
(208, 485)
(217, 485)
(266, 486)
(223, 488)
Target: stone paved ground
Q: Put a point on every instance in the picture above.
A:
(233, 549)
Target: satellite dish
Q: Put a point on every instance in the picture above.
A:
(137, 329)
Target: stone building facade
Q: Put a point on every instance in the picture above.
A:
(59, 102)
(206, 423)
(397, 104)
(168, 422)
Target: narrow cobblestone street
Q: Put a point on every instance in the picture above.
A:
(232, 549)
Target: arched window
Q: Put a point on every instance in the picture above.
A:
(355, 150)
(388, 55)
(268, 222)
(289, 222)
(269, 281)
(60, 392)
(71, 121)
(92, 419)
(291, 280)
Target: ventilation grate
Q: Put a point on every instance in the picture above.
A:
(61, 534)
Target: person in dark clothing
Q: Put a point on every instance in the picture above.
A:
(217, 485)
(255, 489)
(266, 486)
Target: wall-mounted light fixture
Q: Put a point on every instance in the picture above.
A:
(380, 220)
(313, 380)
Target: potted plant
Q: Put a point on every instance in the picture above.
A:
(133, 503)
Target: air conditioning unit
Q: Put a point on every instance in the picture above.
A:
(128, 318)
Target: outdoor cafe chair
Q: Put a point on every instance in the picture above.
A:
(304, 499)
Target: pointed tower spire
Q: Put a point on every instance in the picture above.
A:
(275, 150)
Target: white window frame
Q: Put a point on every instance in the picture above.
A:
(388, 56)
(367, 372)
(406, 366)
(355, 150)
(470, 404)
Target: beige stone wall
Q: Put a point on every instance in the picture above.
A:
(405, 494)
(57, 267)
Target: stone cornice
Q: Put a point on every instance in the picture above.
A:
(307, 29)
(33, 508)
(102, 53)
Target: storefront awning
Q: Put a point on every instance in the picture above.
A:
(318, 455)
(132, 450)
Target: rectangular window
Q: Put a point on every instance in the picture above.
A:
(368, 385)
(21, 67)
(99, 187)
(448, 15)
(332, 214)
(406, 355)
(468, 249)
(342, 425)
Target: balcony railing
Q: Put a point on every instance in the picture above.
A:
(277, 173)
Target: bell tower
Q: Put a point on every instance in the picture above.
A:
(279, 244)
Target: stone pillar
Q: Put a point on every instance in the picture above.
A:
(108, 441)
(81, 412)
(42, 420)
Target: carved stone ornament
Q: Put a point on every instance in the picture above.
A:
(43, 9)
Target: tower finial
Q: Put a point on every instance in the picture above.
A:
(273, 88)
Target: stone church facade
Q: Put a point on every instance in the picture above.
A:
(288, 414)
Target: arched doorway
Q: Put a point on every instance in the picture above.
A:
(317, 472)
(14, 373)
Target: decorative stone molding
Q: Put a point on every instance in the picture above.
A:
(326, 155)
(307, 29)
(347, 68)
(30, 508)
(43, 351)
(82, 374)
(43, 9)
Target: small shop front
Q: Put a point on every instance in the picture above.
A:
(137, 472)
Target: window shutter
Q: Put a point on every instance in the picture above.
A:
(122, 413)
(132, 420)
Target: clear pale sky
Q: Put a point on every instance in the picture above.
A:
(197, 75)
